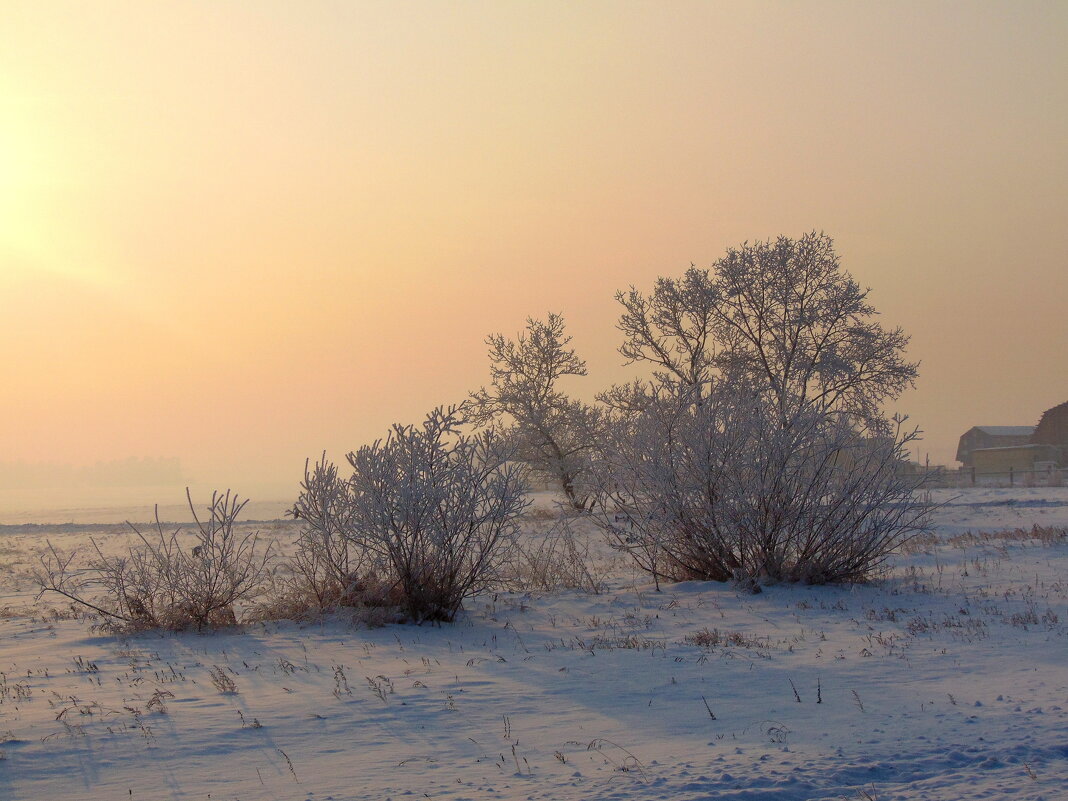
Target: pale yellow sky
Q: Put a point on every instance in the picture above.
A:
(242, 232)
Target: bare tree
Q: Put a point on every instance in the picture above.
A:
(167, 581)
(782, 316)
(790, 319)
(552, 433)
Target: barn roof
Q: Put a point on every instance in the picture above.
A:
(1053, 427)
(1060, 408)
(1007, 431)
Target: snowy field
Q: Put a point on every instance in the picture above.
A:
(947, 679)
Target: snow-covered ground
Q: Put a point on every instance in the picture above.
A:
(948, 679)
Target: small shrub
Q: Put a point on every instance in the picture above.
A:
(222, 681)
(167, 581)
(423, 522)
(329, 571)
(553, 558)
(714, 638)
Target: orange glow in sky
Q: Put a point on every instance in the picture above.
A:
(241, 233)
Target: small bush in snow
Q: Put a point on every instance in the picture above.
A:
(329, 570)
(170, 580)
(553, 558)
(421, 523)
(720, 490)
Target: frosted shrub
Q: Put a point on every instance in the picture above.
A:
(720, 490)
(436, 506)
(329, 570)
(422, 523)
(553, 557)
(168, 580)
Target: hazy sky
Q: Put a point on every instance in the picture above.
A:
(242, 232)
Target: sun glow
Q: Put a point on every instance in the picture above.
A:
(294, 227)
(31, 242)
(23, 233)
(14, 177)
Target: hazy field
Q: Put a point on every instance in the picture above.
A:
(945, 680)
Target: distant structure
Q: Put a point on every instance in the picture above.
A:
(992, 450)
(1019, 459)
(1052, 429)
(981, 437)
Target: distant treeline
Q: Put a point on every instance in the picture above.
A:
(132, 472)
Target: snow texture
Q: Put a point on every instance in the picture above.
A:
(945, 679)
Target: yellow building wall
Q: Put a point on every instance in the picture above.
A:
(1018, 459)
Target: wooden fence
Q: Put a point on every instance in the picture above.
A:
(969, 477)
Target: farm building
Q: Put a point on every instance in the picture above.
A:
(1020, 459)
(1052, 428)
(991, 437)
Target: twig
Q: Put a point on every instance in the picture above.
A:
(711, 714)
(290, 763)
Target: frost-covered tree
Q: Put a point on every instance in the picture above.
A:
(788, 318)
(672, 329)
(782, 316)
(759, 449)
(552, 433)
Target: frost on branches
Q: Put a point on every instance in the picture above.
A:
(759, 449)
(550, 432)
(167, 580)
(422, 522)
(720, 490)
